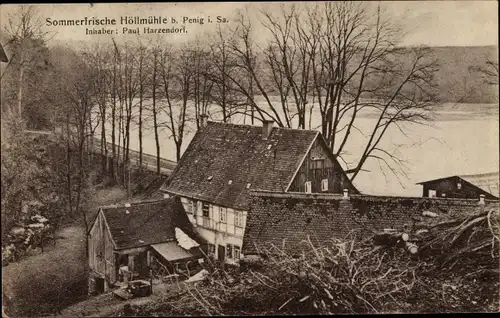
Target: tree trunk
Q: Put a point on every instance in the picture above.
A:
(155, 119)
(113, 125)
(21, 82)
(141, 93)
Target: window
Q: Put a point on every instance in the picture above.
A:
(238, 218)
(317, 163)
(229, 251)
(223, 215)
(308, 186)
(211, 249)
(233, 252)
(324, 185)
(191, 207)
(459, 186)
(194, 205)
(206, 210)
(432, 193)
(236, 252)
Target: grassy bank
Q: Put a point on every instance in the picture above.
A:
(46, 283)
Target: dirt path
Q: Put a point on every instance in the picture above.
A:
(43, 283)
(38, 282)
(107, 305)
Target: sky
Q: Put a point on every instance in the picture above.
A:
(433, 23)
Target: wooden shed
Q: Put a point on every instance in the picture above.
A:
(123, 238)
(469, 186)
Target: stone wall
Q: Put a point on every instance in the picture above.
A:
(286, 219)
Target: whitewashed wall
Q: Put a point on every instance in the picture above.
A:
(212, 229)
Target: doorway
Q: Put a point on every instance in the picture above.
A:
(221, 253)
(99, 284)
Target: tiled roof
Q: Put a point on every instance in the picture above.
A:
(224, 162)
(146, 185)
(147, 222)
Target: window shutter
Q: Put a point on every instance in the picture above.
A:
(308, 186)
(324, 185)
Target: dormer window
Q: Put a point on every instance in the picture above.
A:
(308, 186)
(324, 185)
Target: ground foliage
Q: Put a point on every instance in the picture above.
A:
(455, 270)
(34, 182)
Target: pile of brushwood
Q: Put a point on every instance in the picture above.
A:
(455, 269)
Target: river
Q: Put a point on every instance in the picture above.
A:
(463, 139)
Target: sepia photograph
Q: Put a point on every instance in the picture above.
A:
(175, 159)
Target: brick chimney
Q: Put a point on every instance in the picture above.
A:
(203, 119)
(346, 193)
(267, 127)
(481, 199)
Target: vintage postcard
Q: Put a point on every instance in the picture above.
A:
(249, 158)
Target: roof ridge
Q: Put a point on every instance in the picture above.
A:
(246, 125)
(135, 203)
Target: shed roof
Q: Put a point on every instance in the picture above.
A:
(146, 223)
(224, 162)
(172, 252)
(488, 182)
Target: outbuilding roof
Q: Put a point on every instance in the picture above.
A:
(487, 182)
(146, 223)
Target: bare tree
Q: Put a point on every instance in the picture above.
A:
(114, 92)
(489, 71)
(155, 107)
(346, 55)
(98, 56)
(25, 33)
(289, 57)
(78, 91)
(179, 79)
(194, 76)
(141, 56)
(223, 66)
(361, 68)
